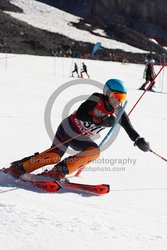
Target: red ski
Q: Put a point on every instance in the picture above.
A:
(51, 185)
(30, 180)
(93, 189)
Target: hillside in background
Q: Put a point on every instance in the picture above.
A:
(125, 20)
(120, 20)
(133, 216)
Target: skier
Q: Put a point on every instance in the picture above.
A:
(163, 59)
(84, 70)
(75, 70)
(149, 75)
(96, 113)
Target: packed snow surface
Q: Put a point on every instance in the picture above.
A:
(133, 216)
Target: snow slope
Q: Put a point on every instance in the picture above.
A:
(45, 17)
(133, 215)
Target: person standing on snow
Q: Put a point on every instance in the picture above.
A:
(84, 70)
(96, 113)
(149, 75)
(75, 69)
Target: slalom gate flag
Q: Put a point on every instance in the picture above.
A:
(96, 47)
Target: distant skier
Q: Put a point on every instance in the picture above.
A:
(149, 75)
(96, 113)
(75, 70)
(84, 70)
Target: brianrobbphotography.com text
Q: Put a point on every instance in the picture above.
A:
(104, 169)
(117, 163)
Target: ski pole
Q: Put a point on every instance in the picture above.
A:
(108, 134)
(64, 142)
(142, 96)
(161, 157)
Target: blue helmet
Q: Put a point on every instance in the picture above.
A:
(115, 87)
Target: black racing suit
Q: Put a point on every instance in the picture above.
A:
(80, 125)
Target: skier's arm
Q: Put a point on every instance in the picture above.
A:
(84, 111)
(126, 124)
(134, 136)
(106, 121)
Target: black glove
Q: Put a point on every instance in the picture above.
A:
(108, 121)
(142, 144)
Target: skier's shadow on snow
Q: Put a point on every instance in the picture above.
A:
(63, 191)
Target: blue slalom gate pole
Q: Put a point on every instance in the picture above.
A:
(108, 134)
(114, 125)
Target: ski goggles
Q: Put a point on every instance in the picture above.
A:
(118, 96)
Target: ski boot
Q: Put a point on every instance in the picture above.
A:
(58, 172)
(150, 89)
(16, 169)
(141, 88)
